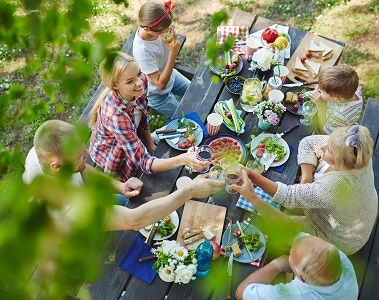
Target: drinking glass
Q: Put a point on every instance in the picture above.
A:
(232, 176)
(309, 110)
(215, 173)
(205, 153)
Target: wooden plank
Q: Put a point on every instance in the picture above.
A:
(239, 17)
(203, 216)
(304, 46)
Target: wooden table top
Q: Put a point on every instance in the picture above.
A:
(201, 97)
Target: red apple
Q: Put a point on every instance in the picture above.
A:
(216, 250)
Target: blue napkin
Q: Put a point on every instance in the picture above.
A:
(245, 204)
(194, 117)
(129, 263)
(280, 168)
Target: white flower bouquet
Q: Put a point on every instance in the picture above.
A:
(263, 59)
(174, 262)
(269, 111)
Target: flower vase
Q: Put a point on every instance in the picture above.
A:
(263, 124)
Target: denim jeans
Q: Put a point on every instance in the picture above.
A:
(167, 104)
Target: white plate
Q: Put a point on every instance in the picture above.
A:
(260, 138)
(198, 132)
(157, 237)
(245, 258)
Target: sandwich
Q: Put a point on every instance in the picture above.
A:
(192, 237)
(313, 67)
(328, 51)
(299, 68)
(315, 50)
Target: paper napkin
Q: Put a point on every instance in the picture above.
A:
(239, 33)
(129, 263)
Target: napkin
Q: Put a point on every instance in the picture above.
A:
(129, 263)
(240, 34)
(245, 204)
(280, 29)
(194, 117)
(280, 168)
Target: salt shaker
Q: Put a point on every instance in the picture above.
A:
(204, 253)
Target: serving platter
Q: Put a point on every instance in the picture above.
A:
(227, 145)
(174, 143)
(244, 258)
(157, 237)
(255, 143)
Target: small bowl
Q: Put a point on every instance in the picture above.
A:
(234, 84)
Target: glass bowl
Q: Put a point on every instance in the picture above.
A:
(234, 84)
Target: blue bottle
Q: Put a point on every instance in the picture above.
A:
(204, 253)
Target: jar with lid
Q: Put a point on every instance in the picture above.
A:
(273, 83)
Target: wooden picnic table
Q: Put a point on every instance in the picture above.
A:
(200, 97)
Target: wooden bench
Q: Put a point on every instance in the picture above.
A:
(366, 261)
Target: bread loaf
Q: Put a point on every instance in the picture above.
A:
(236, 250)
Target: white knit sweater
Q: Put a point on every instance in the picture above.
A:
(340, 206)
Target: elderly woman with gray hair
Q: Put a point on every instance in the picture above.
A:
(336, 194)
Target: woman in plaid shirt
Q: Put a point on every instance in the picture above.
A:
(120, 121)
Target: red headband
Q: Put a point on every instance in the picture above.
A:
(169, 8)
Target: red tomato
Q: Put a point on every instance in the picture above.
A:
(308, 54)
(295, 107)
(183, 145)
(262, 145)
(303, 59)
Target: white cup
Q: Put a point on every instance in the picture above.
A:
(214, 122)
(252, 45)
(183, 181)
(276, 95)
(284, 71)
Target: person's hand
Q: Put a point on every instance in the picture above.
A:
(282, 263)
(195, 164)
(315, 96)
(245, 186)
(202, 186)
(174, 45)
(132, 187)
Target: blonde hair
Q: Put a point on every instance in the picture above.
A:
(339, 81)
(343, 154)
(317, 261)
(152, 11)
(49, 140)
(110, 70)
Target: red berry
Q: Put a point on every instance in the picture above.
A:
(303, 59)
(295, 107)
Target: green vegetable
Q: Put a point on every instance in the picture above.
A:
(224, 107)
(235, 116)
(165, 228)
(274, 147)
(250, 240)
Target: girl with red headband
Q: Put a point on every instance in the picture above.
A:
(156, 56)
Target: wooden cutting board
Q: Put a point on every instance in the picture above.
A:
(203, 216)
(303, 47)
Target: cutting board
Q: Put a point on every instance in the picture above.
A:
(203, 216)
(303, 47)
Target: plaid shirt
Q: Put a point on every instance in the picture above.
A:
(115, 145)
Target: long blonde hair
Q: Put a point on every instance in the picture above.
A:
(343, 154)
(110, 70)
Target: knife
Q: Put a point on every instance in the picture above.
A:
(229, 236)
(146, 258)
(170, 136)
(230, 273)
(153, 230)
(299, 83)
(288, 130)
(172, 130)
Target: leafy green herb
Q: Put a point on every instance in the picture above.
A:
(165, 228)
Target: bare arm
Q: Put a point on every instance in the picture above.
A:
(123, 218)
(160, 79)
(268, 185)
(188, 159)
(306, 173)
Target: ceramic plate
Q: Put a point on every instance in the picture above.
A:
(198, 133)
(224, 145)
(261, 137)
(245, 258)
(218, 71)
(157, 237)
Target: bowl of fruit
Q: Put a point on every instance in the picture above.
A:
(234, 84)
(275, 40)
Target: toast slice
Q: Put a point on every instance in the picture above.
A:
(315, 49)
(313, 67)
(328, 51)
(300, 69)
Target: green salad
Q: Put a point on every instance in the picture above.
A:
(274, 147)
